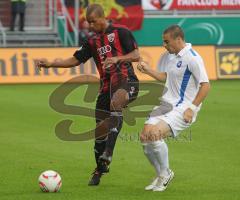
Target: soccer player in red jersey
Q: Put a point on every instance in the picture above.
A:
(113, 48)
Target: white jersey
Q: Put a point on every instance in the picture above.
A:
(185, 71)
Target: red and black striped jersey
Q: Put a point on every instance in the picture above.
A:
(117, 40)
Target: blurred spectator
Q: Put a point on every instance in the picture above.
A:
(18, 7)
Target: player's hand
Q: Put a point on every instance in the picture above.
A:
(188, 115)
(143, 67)
(108, 62)
(42, 64)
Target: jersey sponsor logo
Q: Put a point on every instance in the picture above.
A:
(103, 50)
(179, 64)
(111, 37)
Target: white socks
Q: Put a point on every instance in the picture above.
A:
(151, 157)
(157, 154)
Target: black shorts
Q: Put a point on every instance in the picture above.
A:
(104, 99)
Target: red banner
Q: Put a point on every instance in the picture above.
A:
(191, 4)
(125, 12)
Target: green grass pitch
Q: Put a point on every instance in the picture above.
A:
(206, 161)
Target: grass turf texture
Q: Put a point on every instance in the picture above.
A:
(206, 162)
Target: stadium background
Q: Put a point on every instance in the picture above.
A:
(204, 158)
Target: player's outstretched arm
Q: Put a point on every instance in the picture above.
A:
(145, 68)
(69, 62)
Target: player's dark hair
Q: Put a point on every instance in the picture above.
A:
(96, 8)
(175, 30)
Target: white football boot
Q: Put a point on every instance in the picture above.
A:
(152, 185)
(163, 182)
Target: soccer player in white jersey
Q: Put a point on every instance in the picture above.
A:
(187, 86)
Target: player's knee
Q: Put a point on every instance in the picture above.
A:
(144, 133)
(143, 137)
(160, 133)
(152, 133)
(148, 136)
(116, 105)
(152, 136)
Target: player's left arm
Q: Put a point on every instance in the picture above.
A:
(129, 45)
(202, 93)
(133, 56)
(199, 73)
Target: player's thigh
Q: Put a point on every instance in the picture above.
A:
(125, 94)
(154, 132)
(119, 99)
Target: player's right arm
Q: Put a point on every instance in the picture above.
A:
(145, 68)
(80, 56)
(69, 62)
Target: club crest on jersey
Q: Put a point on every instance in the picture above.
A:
(179, 64)
(111, 37)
